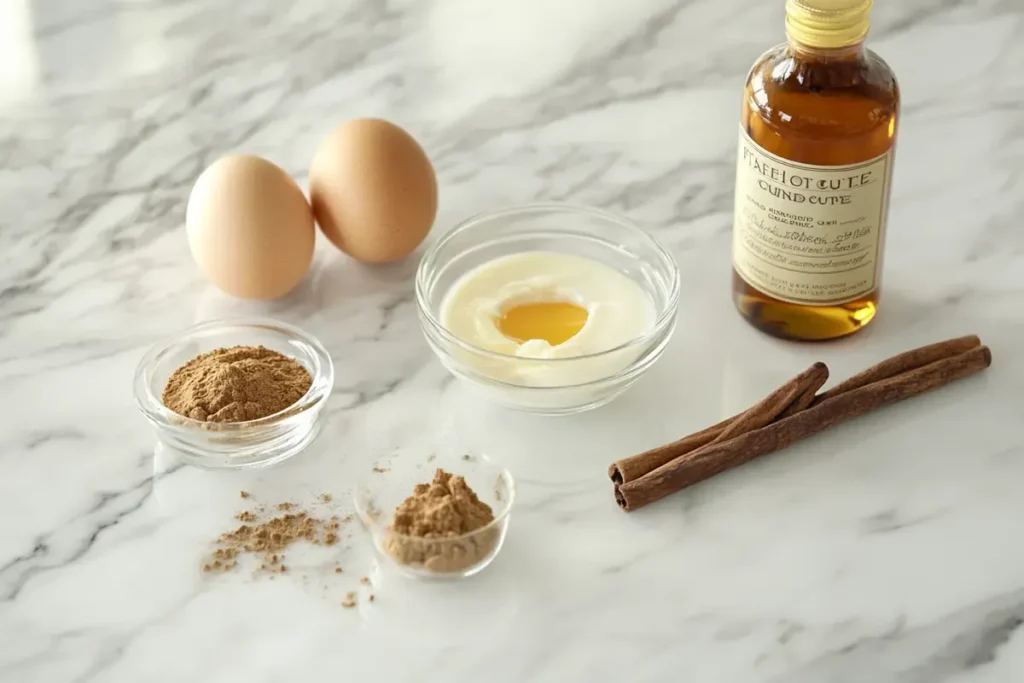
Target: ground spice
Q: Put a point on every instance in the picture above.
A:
(269, 539)
(236, 384)
(429, 526)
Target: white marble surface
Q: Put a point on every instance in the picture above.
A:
(886, 551)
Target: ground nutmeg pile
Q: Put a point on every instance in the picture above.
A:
(429, 526)
(236, 384)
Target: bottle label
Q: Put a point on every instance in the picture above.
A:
(807, 234)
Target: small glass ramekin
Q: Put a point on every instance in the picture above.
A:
(227, 445)
(449, 557)
(561, 385)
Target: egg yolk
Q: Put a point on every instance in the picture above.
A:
(553, 321)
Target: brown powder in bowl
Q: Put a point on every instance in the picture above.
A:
(237, 384)
(429, 526)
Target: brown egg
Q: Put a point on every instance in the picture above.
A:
(373, 190)
(250, 228)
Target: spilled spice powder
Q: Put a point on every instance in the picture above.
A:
(236, 384)
(268, 531)
(269, 539)
(429, 527)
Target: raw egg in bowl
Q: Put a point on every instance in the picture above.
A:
(548, 308)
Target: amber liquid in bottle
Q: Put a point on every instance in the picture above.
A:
(824, 107)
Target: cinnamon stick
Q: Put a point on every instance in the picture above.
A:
(770, 407)
(801, 388)
(915, 358)
(636, 466)
(696, 466)
(802, 401)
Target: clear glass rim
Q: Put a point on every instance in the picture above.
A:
(634, 367)
(367, 518)
(665, 316)
(153, 408)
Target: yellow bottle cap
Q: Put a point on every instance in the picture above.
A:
(827, 23)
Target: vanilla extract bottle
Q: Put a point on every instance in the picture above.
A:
(814, 165)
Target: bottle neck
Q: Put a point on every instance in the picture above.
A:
(845, 53)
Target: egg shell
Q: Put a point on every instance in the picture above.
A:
(373, 190)
(250, 228)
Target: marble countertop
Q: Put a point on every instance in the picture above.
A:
(888, 550)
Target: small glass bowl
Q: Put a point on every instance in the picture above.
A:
(227, 445)
(560, 385)
(450, 557)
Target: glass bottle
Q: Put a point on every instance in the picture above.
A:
(814, 165)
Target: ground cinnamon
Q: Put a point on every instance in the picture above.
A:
(694, 466)
(236, 384)
(268, 538)
(433, 528)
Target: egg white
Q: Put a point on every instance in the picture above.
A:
(618, 309)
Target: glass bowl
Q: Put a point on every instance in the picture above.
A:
(254, 443)
(449, 557)
(560, 385)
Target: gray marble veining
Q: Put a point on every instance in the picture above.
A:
(885, 552)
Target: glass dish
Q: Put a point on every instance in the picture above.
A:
(452, 557)
(580, 231)
(255, 443)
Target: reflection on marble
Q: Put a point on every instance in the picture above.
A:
(887, 551)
